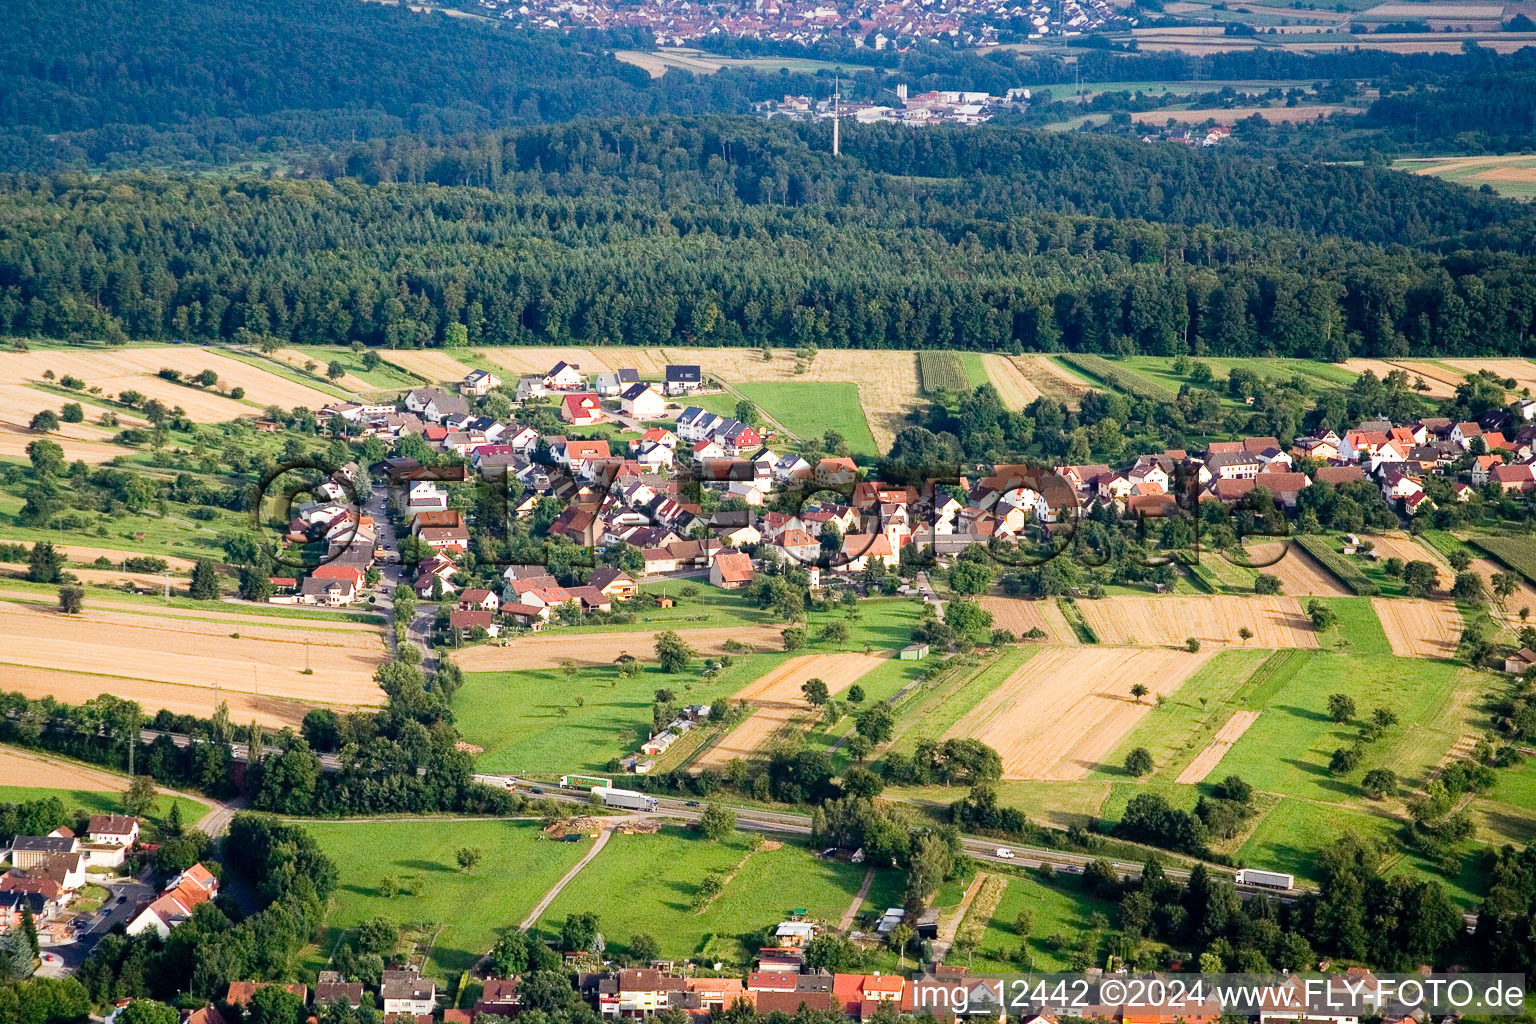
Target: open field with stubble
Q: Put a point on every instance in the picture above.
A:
(1019, 615)
(209, 655)
(136, 369)
(778, 702)
(1419, 628)
(1065, 709)
(1170, 619)
(1298, 572)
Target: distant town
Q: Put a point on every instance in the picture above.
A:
(877, 26)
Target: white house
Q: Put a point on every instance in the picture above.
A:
(479, 383)
(408, 992)
(563, 376)
(643, 402)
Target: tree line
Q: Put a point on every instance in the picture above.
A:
(644, 234)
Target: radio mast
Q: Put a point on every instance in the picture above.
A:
(836, 95)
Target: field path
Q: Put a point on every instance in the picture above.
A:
(565, 880)
(852, 913)
(950, 926)
(1013, 388)
(1206, 761)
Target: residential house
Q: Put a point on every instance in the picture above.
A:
(1337, 475)
(329, 987)
(466, 620)
(643, 402)
(859, 548)
(835, 472)
(1232, 465)
(175, 904)
(479, 383)
(242, 992)
(445, 538)
(731, 570)
(30, 851)
(1482, 467)
(581, 410)
(499, 998)
(1512, 478)
(563, 376)
(478, 599)
(614, 583)
(683, 378)
(109, 837)
(408, 992)
(435, 404)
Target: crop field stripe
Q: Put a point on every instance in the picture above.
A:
(1119, 377)
(1516, 553)
(950, 371)
(1278, 669)
(1338, 564)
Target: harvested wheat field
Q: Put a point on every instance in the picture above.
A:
(1231, 115)
(548, 650)
(779, 703)
(1299, 573)
(1381, 367)
(1019, 615)
(200, 653)
(96, 602)
(1065, 709)
(79, 687)
(428, 364)
(298, 360)
(1399, 545)
(14, 442)
(649, 363)
(1506, 608)
(80, 554)
(136, 369)
(1432, 374)
(1522, 370)
(1206, 761)
(25, 769)
(1015, 389)
(1171, 619)
(1418, 628)
(1052, 380)
(518, 361)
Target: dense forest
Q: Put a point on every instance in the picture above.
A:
(211, 84)
(742, 232)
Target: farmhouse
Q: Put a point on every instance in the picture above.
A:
(174, 906)
(731, 570)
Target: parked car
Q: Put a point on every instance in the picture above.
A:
(536, 791)
(691, 803)
(1005, 853)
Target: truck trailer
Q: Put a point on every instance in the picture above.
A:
(1265, 879)
(625, 798)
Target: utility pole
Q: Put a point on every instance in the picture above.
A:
(167, 576)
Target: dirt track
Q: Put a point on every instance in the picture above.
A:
(548, 650)
(1170, 619)
(779, 702)
(77, 688)
(1065, 709)
(1299, 573)
(1418, 628)
(1206, 761)
(1019, 615)
(195, 653)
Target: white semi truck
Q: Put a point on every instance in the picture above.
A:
(1265, 879)
(628, 799)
